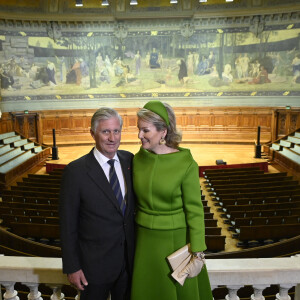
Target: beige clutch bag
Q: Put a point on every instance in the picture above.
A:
(178, 260)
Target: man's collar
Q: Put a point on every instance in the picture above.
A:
(102, 158)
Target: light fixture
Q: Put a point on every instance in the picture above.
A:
(105, 3)
(229, 0)
(133, 2)
(202, 1)
(173, 1)
(78, 3)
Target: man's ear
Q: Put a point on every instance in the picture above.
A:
(92, 133)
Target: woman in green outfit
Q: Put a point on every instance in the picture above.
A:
(169, 210)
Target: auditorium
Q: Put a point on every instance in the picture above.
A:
(230, 71)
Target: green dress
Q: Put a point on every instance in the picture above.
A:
(169, 215)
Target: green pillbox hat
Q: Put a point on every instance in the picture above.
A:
(157, 107)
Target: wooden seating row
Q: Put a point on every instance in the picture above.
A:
(36, 206)
(15, 211)
(266, 200)
(292, 190)
(9, 218)
(275, 232)
(233, 174)
(29, 199)
(20, 192)
(287, 181)
(249, 178)
(268, 206)
(43, 185)
(263, 213)
(238, 222)
(210, 172)
(252, 188)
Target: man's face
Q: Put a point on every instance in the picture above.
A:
(108, 136)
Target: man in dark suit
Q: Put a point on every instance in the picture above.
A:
(96, 214)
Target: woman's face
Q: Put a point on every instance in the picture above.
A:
(149, 135)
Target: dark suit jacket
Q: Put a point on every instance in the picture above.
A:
(95, 236)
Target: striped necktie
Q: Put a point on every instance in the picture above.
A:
(115, 184)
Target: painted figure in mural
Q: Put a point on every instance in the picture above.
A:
(296, 67)
(190, 63)
(33, 71)
(11, 66)
(211, 59)
(160, 59)
(77, 70)
(203, 66)
(182, 74)
(245, 65)
(6, 80)
(104, 75)
(196, 61)
(254, 69)
(84, 68)
(118, 67)
(108, 66)
(262, 77)
(147, 59)
(51, 72)
(138, 62)
(238, 66)
(154, 59)
(226, 75)
(62, 67)
(99, 62)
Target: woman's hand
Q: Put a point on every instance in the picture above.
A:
(194, 267)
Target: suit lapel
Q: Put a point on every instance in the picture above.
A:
(97, 175)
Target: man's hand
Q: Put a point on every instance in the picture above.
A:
(78, 280)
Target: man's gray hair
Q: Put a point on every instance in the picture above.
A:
(104, 113)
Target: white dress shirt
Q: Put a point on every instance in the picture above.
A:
(103, 162)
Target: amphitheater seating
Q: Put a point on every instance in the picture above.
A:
(33, 203)
(265, 200)
(288, 146)
(17, 155)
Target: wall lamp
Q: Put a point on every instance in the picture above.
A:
(202, 1)
(105, 3)
(133, 2)
(173, 1)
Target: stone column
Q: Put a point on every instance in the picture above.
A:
(10, 293)
(232, 292)
(34, 292)
(258, 290)
(57, 294)
(297, 292)
(284, 292)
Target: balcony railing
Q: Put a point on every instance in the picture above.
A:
(260, 273)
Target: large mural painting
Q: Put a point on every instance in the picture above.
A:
(188, 61)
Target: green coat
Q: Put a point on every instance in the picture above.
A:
(169, 215)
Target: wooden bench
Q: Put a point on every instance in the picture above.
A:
(50, 231)
(9, 218)
(255, 185)
(28, 211)
(213, 230)
(20, 192)
(262, 232)
(28, 199)
(238, 222)
(292, 190)
(251, 178)
(48, 184)
(269, 206)
(229, 170)
(264, 213)
(50, 190)
(215, 243)
(36, 206)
